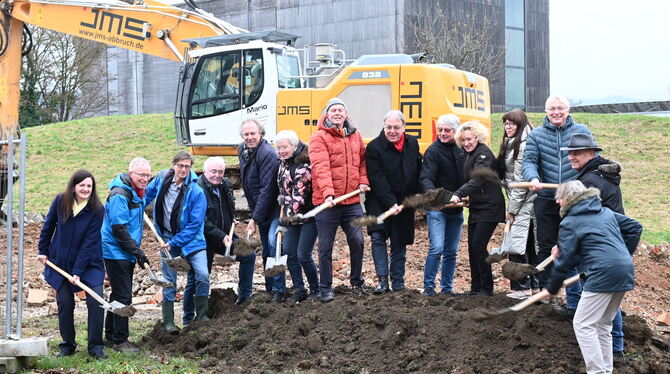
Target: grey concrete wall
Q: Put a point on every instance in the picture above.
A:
(537, 54)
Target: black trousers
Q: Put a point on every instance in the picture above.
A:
(66, 304)
(120, 273)
(548, 219)
(479, 234)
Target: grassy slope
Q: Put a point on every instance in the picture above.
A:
(105, 145)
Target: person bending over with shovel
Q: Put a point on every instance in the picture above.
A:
(600, 243)
(218, 222)
(121, 239)
(337, 154)
(71, 240)
(179, 214)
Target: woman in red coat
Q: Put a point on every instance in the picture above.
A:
(71, 239)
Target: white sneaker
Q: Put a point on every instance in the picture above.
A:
(521, 294)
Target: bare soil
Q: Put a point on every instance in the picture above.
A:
(401, 331)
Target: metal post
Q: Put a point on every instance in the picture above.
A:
(22, 208)
(8, 200)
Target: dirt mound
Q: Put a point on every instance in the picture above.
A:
(394, 333)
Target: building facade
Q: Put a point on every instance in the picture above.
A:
(145, 84)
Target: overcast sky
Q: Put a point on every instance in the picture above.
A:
(603, 48)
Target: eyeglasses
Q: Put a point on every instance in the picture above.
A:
(142, 175)
(509, 124)
(556, 109)
(394, 128)
(182, 166)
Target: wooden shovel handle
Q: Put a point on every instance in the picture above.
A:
(335, 201)
(78, 283)
(230, 235)
(541, 295)
(147, 220)
(529, 185)
(544, 263)
(389, 213)
(453, 205)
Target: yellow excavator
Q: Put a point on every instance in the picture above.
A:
(229, 74)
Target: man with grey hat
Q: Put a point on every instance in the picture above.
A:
(596, 171)
(599, 172)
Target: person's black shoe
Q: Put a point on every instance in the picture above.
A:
(448, 293)
(98, 355)
(471, 293)
(327, 296)
(65, 354)
(429, 292)
(565, 312)
(486, 293)
(382, 286)
(357, 291)
(108, 343)
(313, 295)
(126, 347)
(299, 296)
(277, 297)
(241, 300)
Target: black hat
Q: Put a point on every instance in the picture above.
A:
(581, 141)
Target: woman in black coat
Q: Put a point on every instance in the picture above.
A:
(71, 239)
(487, 204)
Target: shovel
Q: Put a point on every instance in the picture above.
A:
(529, 185)
(276, 265)
(499, 255)
(290, 219)
(114, 307)
(516, 271)
(177, 263)
(159, 281)
(375, 220)
(227, 258)
(431, 199)
(489, 313)
(247, 245)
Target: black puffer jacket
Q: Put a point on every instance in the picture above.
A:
(604, 175)
(443, 167)
(220, 211)
(487, 203)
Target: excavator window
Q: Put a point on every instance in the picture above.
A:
(288, 70)
(253, 76)
(217, 88)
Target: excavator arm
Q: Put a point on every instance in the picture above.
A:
(148, 27)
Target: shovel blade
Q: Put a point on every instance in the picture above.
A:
(178, 264)
(270, 263)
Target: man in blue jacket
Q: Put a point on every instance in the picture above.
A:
(121, 239)
(258, 168)
(544, 162)
(179, 216)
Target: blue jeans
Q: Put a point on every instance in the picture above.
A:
(381, 259)
(444, 233)
(269, 241)
(299, 244)
(573, 292)
(197, 283)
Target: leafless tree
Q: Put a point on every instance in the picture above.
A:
(472, 45)
(72, 79)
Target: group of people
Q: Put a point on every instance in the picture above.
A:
(582, 226)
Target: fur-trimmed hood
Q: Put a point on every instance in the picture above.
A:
(590, 193)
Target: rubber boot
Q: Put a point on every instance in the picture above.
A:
(201, 308)
(168, 318)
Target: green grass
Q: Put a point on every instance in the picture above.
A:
(143, 362)
(642, 145)
(105, 145)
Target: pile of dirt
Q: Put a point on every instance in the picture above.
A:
(397, 332)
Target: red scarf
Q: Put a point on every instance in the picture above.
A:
(138, 191)
(400, 143)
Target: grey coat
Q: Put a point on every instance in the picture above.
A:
(520, 199)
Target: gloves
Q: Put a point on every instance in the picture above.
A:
(142, 259)
(281, 229)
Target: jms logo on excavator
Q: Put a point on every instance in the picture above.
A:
(293, 110)
(125, 26)
(471, 99)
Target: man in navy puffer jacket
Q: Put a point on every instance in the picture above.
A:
(543, 161)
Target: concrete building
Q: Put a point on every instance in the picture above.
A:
(144, 84)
